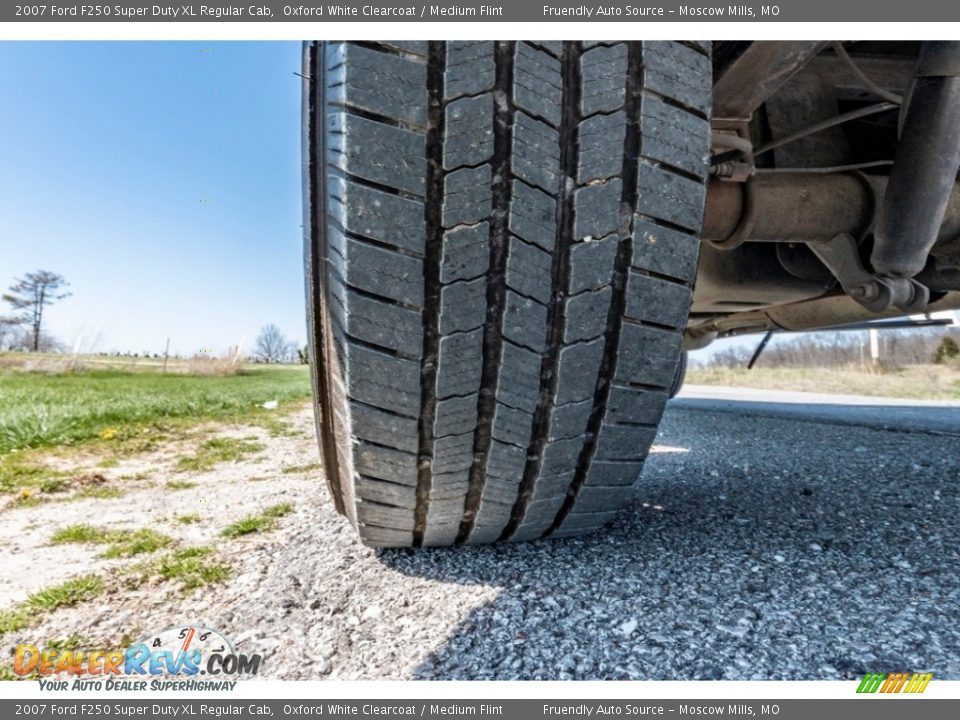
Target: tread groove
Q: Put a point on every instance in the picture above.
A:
(433, 213)
(496, 291)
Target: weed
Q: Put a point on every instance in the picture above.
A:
(257, 523)
(298, 469)
(191, 567)
(189, 519)
(218, 450)
(180, 485)
(121, 543)
(71, 592)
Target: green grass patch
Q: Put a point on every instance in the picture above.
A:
(180, 485)
(192, 568)
(18, 472)
(296, 469)
(263, 522)
(71, 592)
(121, 543)
(98, 492)
(189, 519)
(115, 407)
(218, 450)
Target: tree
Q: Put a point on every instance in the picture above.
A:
(272, 345)
(946, 351)
(31, 294)
(8, 330)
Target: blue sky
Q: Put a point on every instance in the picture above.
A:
(163, 180)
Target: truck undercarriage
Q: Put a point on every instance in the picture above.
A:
(833, 196)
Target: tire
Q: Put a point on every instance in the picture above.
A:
(679, 375)
(501, 240)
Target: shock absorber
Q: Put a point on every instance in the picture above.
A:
(925, 166)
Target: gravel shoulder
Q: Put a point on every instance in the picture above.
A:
(756, 547)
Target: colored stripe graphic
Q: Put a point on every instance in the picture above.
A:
(894, 682)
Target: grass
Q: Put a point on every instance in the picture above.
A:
(191, 567)
(922, 382)
(218, 450)
(68, 593)
(297, 469)
(263, 522)
(189, 519)
(180, 485)
(113, 406)
(121, 543)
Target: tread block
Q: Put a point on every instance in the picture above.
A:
(537, 84)
(601, 147)
(450, 485)
(466, 253)
(384, 324)
(377, 214)
(603, 73)
(387, 155)
(382, 380)
(453, 453)
(375, 425)
(591, 264)
(635, 405)
(388, 493)
(505, 464)
(374, 513)
(386, 463)
(647, 356)
(656, 300)
(560, 457)
(385, 537)
(519, 384)
(468, 131)
(525, 322)
(533, 215)
(438, 533)
(604, 474)
(529, 270)
(667, 196)
(470, 68)
(455, 416)
(418, 47)
(595, 498)
(467, 196)
(597, 210)
(579, 367)
(460, 363)
(664, 250)
(674, 136)
(511, 425)
(629, 443)
(570, 420)
(381, 271)
(587, 315)
(536, 153)
(580, 523)
(384, 84)
(463, 305)
(678, 72)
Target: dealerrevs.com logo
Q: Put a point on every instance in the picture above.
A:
(172, 659)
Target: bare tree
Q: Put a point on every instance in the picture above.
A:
(272, 345)
(31, 294)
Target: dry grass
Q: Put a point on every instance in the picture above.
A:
(922, 382)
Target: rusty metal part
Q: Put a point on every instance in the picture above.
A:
(813, 314)
(925, 166)
(757, 73)
(842, 256)
(799, 207)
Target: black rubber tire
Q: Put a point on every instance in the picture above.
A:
(501, 243)
(679, 375)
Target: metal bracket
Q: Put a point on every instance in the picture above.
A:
(874, 292)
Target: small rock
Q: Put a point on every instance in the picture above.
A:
(628, 627)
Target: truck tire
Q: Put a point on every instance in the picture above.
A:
(501, 240)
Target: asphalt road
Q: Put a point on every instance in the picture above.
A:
(773, 536)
